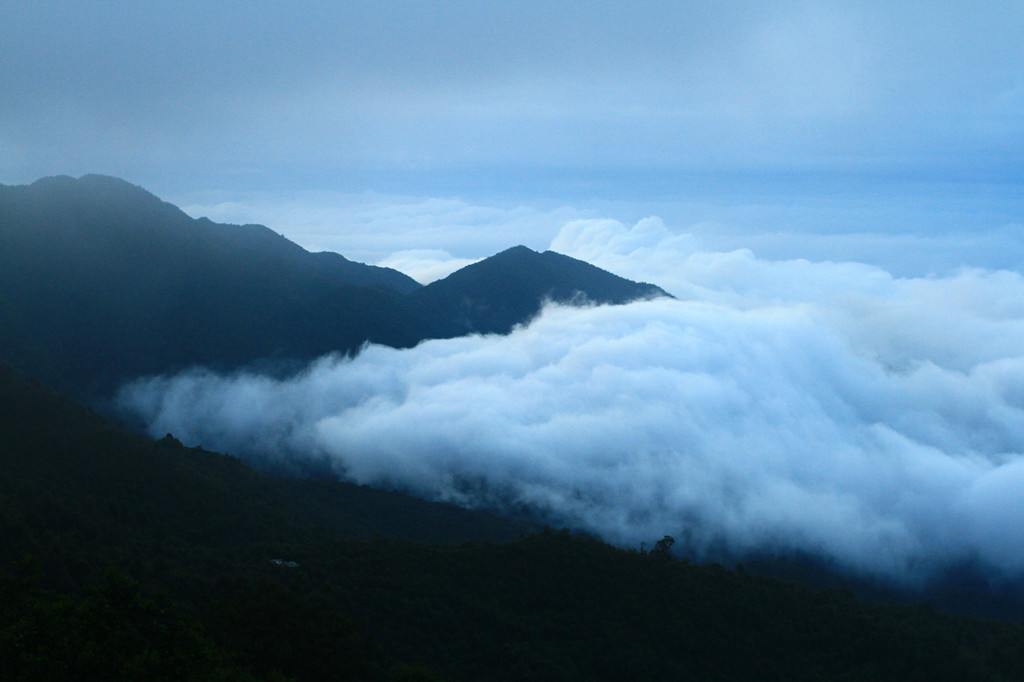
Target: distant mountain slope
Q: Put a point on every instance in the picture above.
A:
(98, 214)
(73, 485)
(82, 495)
(103, 282)
(495, 294)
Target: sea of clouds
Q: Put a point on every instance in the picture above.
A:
(774, 405)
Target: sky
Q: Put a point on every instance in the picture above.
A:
(882, 132)
(832, 191)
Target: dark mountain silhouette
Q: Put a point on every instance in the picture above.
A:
(104, 282)
(504, 290)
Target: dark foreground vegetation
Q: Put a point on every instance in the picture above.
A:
(124, 558)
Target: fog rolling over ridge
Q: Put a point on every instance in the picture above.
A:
(775, 406)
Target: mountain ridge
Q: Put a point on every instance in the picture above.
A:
(105, 282)
(478, 294)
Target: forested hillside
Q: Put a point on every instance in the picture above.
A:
(151, 560)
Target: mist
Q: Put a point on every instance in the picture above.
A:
(775, 406)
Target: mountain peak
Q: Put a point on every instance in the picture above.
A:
(518, 249)
(105, 282)
(92, 183)
(509, 288)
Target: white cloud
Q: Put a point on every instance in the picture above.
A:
(425, 265)
(930, 233)
(422, 233)
(781, 405)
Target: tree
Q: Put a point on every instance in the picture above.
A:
(663, 545)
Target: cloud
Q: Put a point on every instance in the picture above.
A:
(425, 265)
(776, 406)
(429, 235)
(933, 231)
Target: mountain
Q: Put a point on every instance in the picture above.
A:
(73, 220)
(104, 282)
(242, 575)
(507, 289)
(72, 485)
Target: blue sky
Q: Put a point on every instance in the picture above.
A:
(756, 123)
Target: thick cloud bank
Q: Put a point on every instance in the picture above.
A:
(781, 406)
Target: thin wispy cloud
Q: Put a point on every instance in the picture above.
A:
(930, 233)
(425, 237)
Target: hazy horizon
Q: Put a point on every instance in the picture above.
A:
(885, 133)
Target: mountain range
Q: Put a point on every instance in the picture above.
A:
(245, 575)
(104, 282)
